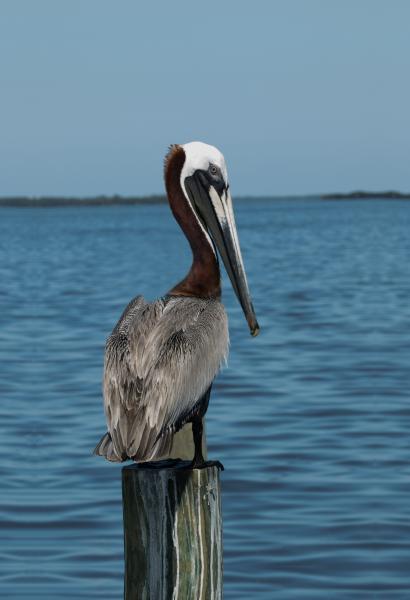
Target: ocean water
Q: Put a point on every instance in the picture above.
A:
(311, 419)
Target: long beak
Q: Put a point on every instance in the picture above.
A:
(216, 212)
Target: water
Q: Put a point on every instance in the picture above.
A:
(311, 419)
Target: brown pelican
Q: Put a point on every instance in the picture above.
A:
(162, 357)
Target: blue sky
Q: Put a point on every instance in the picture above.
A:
(302, 96)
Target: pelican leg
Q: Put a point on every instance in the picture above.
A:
(197, 429)
(198, 461)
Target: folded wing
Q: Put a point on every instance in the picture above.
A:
(160, 360)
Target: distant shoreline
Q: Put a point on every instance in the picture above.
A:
(44, 201)
(75, 201)
(361, 195)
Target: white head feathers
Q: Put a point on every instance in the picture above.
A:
(198, 156)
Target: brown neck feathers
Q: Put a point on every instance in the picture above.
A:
(203, 278)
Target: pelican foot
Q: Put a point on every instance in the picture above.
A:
(204, 464)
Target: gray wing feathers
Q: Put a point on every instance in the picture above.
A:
(186, 350)
(160, 360)
(123, 378)
(105, 448)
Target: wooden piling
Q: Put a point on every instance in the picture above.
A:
(172, 532)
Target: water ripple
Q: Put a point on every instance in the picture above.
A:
(311, 419)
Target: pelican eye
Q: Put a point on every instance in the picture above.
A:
(213, 169)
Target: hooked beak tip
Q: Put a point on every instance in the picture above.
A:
(254, 330)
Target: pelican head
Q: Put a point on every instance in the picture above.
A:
(204, 182)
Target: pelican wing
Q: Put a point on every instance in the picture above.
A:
(183, 355)
(123, 377)
(160, 360)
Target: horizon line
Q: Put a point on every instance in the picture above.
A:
(112, 199)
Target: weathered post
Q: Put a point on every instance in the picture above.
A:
(172, 532)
